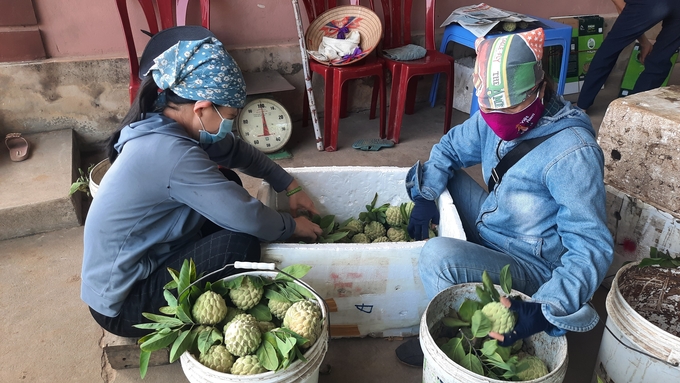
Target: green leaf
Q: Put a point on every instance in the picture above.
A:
(489, 287)
(152, 326)
(467, 309)
(167, 310)
(184, 312)
(297, 271)
(649, 262)
(481, 325)
(143, 362)
(181, 344)
(234, 283)
(170, 321)
(484, 296)
(300, 290)
(652, 252)
(170, 298)
(489, 347)
(506, 279)
(261, 312)
(667, 263)
(272, 294)
(454, 349)
(184, 280)
(454, 322)
(159, 341)
(472, 363)
(268, 356)
(220, 287)
(334, 237)
(497, 361)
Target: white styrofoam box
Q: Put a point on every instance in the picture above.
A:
(637, 226)
(372, 289)
(463, 86)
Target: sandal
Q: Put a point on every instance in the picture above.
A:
(373, 144)
(410, 353)
(18, 147)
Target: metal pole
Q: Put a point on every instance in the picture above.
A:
(308, 76)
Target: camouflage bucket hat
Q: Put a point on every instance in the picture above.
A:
(508, 68)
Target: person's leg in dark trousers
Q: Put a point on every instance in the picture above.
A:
(209, 253)
(635, 19)
(658, 62)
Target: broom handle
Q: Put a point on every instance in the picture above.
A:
(308, 76)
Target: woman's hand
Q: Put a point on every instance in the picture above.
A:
(645, 48)
(530, 320)
(304, 228)
(300, 201)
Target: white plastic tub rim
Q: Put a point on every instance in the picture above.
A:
(648, 340)
(298, 372)
(439, 368)
(344, 191)
(96, 175)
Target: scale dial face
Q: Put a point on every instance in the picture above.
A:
(265, 124)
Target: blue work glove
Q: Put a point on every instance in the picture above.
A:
(530, 320)
(424, 211)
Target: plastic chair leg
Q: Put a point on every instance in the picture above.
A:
(397, 107)
(383, 105)
(374, 97)
(449, 102)
(411, 90)
(305, 110)
(330, 138)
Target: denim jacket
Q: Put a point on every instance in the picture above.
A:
(548, 211)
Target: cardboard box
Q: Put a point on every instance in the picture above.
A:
(590, 25)
(371, 289)
(635, 68)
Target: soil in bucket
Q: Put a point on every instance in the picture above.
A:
(640, 343)
(438, 367)
(300, 371)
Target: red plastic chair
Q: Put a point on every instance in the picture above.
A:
(405, 74)
(335, 78)
(158, 17)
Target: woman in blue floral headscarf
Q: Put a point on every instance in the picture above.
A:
(165, 199)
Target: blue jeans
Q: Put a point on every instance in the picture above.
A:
(637, 17)
(445, 262)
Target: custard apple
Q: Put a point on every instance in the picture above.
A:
(360, 238)
(247, 365)
(509, 26)
(397, 235)
(523, 25)
(354, 226)
(247, 295)
(209, 308)
(242, 337)
(502, 319)
(217, 358)
(393, 216)
(408, 209)
(245, 316)
(535, 368)
(278, 308)
(374, 230)
(304, 318)
(381, 239)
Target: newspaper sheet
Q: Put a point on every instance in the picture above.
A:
(481, 18)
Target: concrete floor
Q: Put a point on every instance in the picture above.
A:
(49, 336)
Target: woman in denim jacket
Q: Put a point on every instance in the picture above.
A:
(546, 219)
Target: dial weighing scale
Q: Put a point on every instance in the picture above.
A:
(263, 121)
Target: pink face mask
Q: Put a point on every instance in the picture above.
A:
(509, 126)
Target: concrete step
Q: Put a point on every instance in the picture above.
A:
(34, 193)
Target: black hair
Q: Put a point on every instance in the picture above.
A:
(145, 102)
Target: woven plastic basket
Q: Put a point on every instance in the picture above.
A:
(354, 17)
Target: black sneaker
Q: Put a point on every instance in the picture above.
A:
(410, 353)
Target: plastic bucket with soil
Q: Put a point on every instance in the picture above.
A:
(641, 340)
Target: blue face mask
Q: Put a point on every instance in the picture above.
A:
(206, 137)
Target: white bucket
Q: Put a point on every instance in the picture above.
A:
(96, 175)
(633, 350)
(298, 372)
(439, 368)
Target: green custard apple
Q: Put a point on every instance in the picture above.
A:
(242, 337)
(247, 295)
(247, 365)
(535, 368)
(209, 308)
(217, 358)
(502, 319)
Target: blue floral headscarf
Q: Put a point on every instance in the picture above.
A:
(201, 70)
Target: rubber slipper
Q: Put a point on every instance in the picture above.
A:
(373, 144)
(410, 353)
(18, 146)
